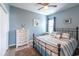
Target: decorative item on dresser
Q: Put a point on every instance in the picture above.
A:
(21, 37)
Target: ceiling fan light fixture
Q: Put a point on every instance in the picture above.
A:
(45, 7)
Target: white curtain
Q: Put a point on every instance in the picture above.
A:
(50, 25)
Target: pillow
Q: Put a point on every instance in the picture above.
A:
(65, 35)
(46, 33)
(56, 35)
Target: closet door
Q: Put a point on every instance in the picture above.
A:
(0, 31)
(3, 31)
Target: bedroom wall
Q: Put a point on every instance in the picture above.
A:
(19, 16)
(68, 13)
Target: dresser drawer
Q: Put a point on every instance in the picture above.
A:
(21, 37)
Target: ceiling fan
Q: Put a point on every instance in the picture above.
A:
(45, 6)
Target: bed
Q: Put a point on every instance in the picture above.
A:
(48, 45)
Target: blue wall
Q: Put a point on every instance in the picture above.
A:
(72, 13)
(19, 16)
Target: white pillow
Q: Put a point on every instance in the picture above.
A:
(65, 35)
(56, 35)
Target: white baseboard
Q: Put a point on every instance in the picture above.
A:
(12, 45)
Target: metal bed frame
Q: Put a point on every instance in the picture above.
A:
(73, 31)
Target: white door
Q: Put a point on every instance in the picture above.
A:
(3, 31)
(0, 30)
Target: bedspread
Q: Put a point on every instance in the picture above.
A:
(68, 46)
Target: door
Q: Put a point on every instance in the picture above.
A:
(0, 31)
(3, 31)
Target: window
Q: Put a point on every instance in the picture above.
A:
(50, 25)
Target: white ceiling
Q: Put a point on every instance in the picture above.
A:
(34, 7)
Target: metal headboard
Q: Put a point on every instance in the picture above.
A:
(71, 31)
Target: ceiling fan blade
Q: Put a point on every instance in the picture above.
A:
(52, 6)
(40, 8)
(44, 4)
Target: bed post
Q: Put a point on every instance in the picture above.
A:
(77, 33)
(59, 48)
(33, 40)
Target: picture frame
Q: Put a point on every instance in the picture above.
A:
(67, 21)
(35, 22)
